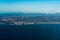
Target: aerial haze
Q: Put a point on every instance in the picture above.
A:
(43, 6)
(30, 19)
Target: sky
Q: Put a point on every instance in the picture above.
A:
(40, 6)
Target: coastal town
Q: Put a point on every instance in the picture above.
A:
(24, 20)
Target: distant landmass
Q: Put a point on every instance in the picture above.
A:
(29, 14)
(29, 18)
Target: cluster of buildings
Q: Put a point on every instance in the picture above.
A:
(19, 20)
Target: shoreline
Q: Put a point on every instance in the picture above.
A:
(31, 23)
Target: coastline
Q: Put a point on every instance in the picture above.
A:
(23, 23)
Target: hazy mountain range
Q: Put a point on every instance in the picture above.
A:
(28, 14)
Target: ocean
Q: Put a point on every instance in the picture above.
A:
(30, 32)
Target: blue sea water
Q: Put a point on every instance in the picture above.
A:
(30, 32)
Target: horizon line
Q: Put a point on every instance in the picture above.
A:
(33, 12)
